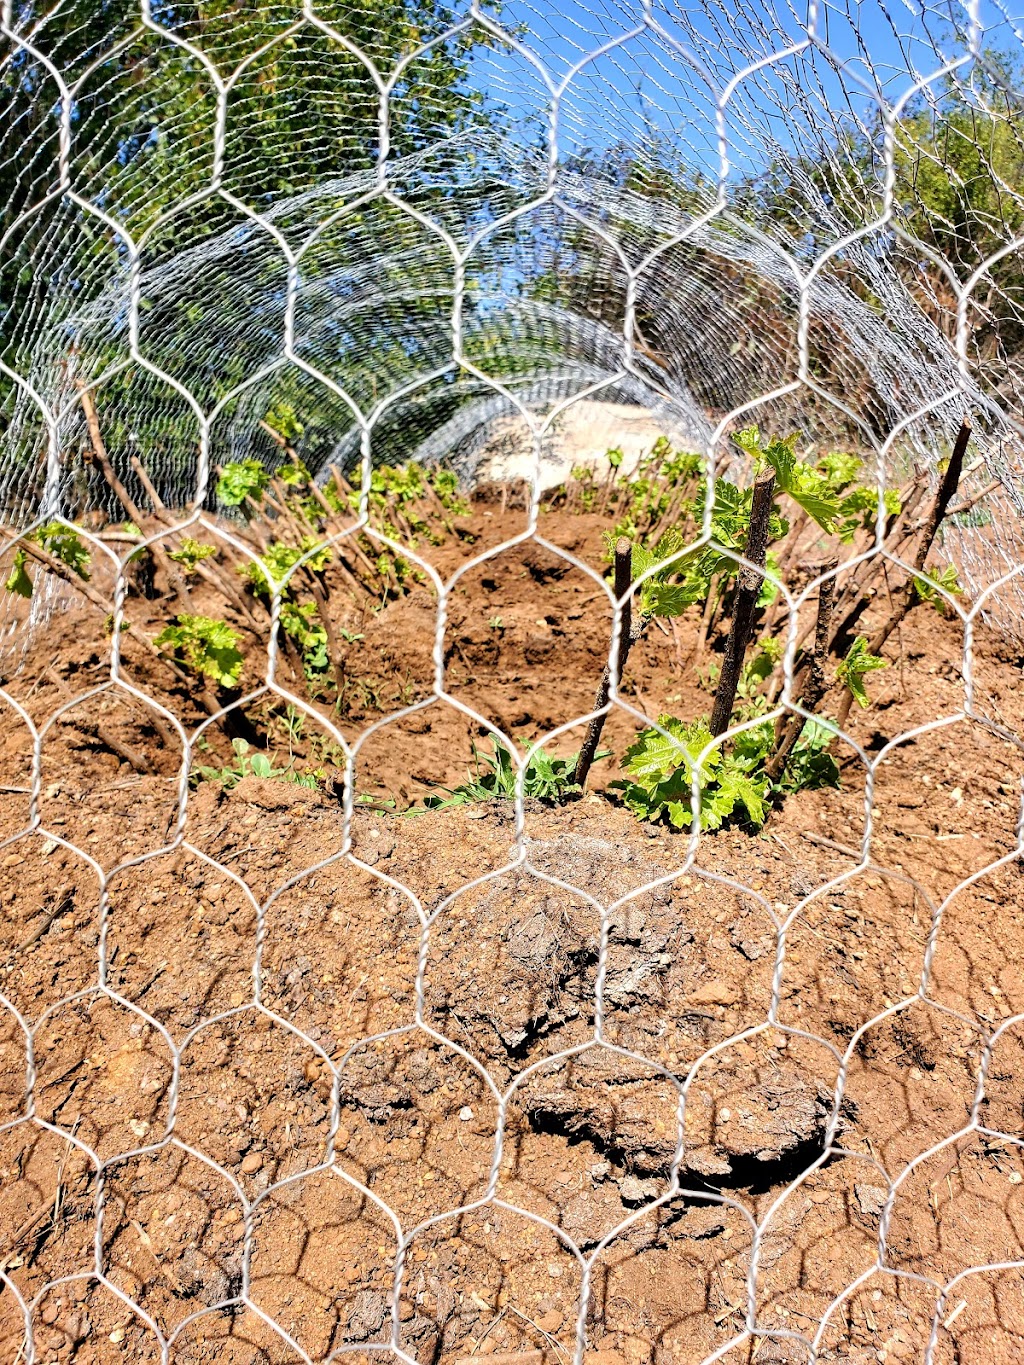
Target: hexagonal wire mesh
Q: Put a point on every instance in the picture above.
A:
(321, 241)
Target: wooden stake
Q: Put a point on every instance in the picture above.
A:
(623, 582)
(903, 598)
(99, 451)
(748, 588)
(817, 683)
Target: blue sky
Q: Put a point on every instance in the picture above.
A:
(646, 87)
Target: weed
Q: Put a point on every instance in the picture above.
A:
(496, 777)
(251, 762)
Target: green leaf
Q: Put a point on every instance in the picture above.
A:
(282, 418)
(18, 580)
(191, 552)
(735, 785)
(669, 599)
(811, 763)
(660, 772)
(808, 487)
(294, 475)
(840, 469)
(769, 590)
(855, 666)
(66, 545)
(653, 754)
(208, 646)
(242, 479)
(926, 586)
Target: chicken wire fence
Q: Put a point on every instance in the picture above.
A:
(337, 239)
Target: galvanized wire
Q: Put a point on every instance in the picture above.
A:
(735, 101)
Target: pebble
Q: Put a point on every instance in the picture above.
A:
(465, 1113)
(252, 1163)
(550, 1322)
(715, 993)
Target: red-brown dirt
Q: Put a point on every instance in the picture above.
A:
(217, 1154)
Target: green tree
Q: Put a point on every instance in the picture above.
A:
(302, 114)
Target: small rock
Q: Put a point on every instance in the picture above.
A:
(550, 1322)
(633, 1190)
(465, 1113)
(252, 1163)
(715, 993)
(871, 1199)
(369, 1310)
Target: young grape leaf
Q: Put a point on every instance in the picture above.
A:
(855, 666)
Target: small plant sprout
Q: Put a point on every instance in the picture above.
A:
(928, 584)
(240, 480)
(496, 777)
(207, 646)
(496, 623)
(58, 540)
(855, 667)
(251, 762)
(191, 553)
